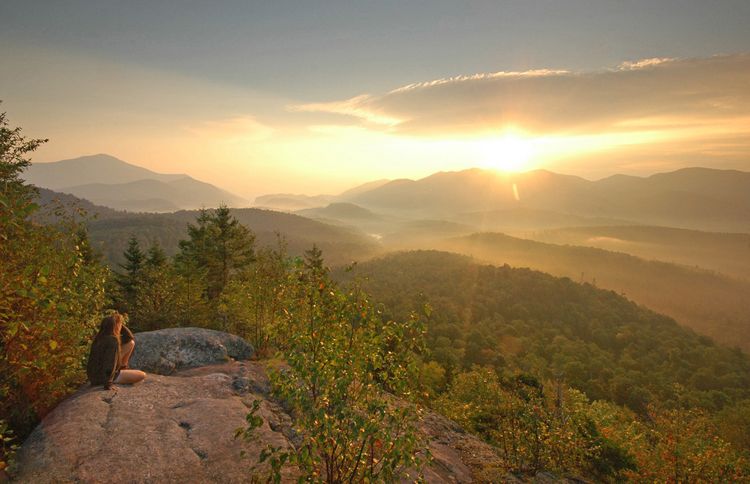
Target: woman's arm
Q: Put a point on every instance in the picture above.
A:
(126, 335)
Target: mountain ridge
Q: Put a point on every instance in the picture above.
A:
(111, 182)
(695, 198)
(117, 171)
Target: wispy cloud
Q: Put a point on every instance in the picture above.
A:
(479, 77)
(659, 90)
(640, 64)
(358, 107)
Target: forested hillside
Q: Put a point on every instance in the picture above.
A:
(344, 245)
(710, 303)
(722, 252)
(539, 367)
(110, 229)
(555, 374)
(519, 319)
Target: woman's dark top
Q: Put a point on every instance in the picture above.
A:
(104, 359)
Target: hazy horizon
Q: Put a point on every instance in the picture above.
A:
(251, 196)
(319, 98)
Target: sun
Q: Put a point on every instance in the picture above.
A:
(509, 152)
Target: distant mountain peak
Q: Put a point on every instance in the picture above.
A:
(701, 198)
(106, 180)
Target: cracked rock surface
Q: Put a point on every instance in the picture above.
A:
(176, 428)
(179, 428)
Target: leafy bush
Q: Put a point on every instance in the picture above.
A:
(8, 449)
(340, 359)
(533, 427)
(252, 305)
(675, 444)
(51, 296)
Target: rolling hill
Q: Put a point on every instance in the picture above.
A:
(723, 252)
(110, 229)
(710, 303)
(84, 170)
(51, 200)
(291, 202)
(522, 219)
(341, 211)
(154, 195)
(295, 202)
(698, 198)
(523, 320)
(339, 245)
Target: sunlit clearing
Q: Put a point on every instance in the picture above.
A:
(507, 153)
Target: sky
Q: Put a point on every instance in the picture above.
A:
(318, 96)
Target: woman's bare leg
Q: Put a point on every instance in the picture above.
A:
(126, 351)
(128, 377)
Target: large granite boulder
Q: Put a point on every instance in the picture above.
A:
(167, 350)
(179, 428)
(166, 429)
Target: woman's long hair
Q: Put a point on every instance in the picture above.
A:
(108, 326)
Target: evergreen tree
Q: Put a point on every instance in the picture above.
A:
(128, 280)
(157, 293)
(232, 247)
(155, 257)
(193, 309)
(314, 260)
(134, 257)
(220, 246)
(156, 299)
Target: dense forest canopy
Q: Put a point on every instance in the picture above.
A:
(519, 319)
(708, 302)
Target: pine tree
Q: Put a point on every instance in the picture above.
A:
(232, 247)
(193, 307)
(219, 246)
(129, 279)
(314, 261)
(155, 257)
(134, 257)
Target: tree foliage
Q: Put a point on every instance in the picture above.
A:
(129, 279)
(219, 244)
(252, 305)
(534, 427)
(51, 294)
(340, 358)
(518, 320)
(497, 332)
(673, 444)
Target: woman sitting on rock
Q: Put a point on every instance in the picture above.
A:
(108, 359)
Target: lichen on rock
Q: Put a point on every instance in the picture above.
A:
(168, 350)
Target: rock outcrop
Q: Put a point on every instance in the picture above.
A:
(180, 427)
(168, 350)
